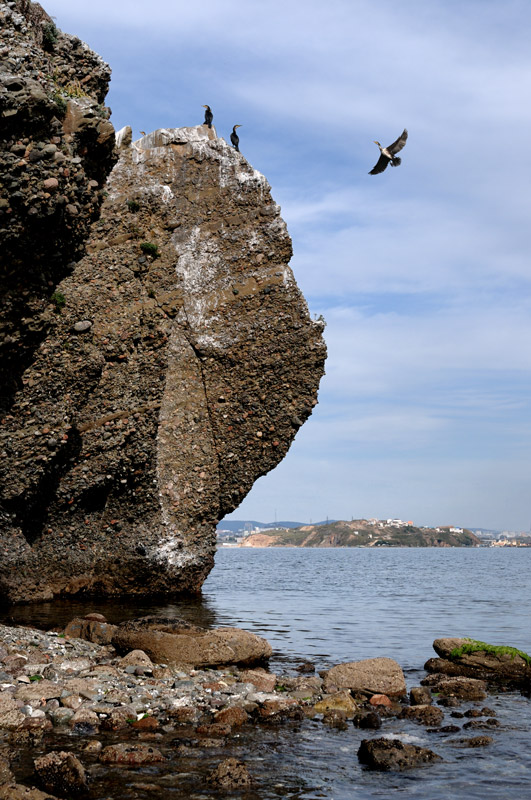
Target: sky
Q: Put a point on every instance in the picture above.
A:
(422, 273)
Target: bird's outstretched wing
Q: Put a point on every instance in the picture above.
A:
(380, 165)
(398, 145)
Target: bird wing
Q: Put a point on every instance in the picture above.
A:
(398, 145)
(380, 165)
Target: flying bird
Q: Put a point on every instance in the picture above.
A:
(235, 139)
(143, 133)
(209, 116)
(388, 154)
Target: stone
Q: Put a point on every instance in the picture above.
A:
(168, 641)
(420, 696)
(380, 700)
(370, 676)
(262, 680)
(370, 720)
(393, 754)
(93, 630)
(234, 716)
(463, 688)
(158, 400)
(130, 754)
(424, 715)
(61, 772)
(340, 701)
(50, 184)
(473, 741)
(82, 326)
(230, 775)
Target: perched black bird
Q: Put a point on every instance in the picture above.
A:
(209, 116)
(235, 139)
(388, 154)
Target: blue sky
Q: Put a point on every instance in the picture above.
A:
(422, 273)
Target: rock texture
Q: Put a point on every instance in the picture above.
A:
(172, 641)
(181, 366)
(392, 754)
(368, 677)
(56, 150)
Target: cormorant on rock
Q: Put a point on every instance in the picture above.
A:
(388, 154)
(235, 139)
(209, 116)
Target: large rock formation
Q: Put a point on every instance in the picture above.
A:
(177, 372)
(56, 150)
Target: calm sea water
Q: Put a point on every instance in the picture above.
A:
(338, 605)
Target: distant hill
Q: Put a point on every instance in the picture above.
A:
(235, 526)
(363, 533)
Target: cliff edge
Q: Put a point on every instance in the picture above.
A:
(178, 364)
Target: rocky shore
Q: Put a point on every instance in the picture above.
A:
(103, 719)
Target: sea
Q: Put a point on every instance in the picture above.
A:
(333, 605)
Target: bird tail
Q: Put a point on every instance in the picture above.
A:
(396, 161)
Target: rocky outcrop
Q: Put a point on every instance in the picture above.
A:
(181, 366)
(56, 150)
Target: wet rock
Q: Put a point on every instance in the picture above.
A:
(380, 700)
(420, 696)
(335, 719)
(61, 772)
(392, 754)
(16, 791)
(262, 680)
(230, 775)
(6, 776)
(463, 688)
(473, 741)
(370, 676)
(370, 720)
(424, 715)
(131, 754)
(169, 642)
(482, 724)
(339, 701)
(489, 665)
(444, 729)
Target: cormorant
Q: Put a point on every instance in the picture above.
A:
(235, 139)
(388, 154)
(209, 116)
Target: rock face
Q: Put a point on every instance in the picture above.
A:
(196, 363)
(56, 150)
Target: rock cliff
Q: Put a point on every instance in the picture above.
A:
(56, 150)
(178, 364)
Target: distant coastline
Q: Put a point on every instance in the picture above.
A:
(362, 533)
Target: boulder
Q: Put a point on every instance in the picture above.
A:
(170, 641)
(61, 772)
(392, 754)
(423, 714)
(340, 701)
(16, 791)
(462, 688)
(494, 664)
(368, 677)
(97, 631)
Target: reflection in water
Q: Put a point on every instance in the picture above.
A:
(57, 613)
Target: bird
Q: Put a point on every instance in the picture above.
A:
(388, 154)
(143, 133)
(209, 116)
(235, 139)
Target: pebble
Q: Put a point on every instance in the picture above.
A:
(83, 326)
